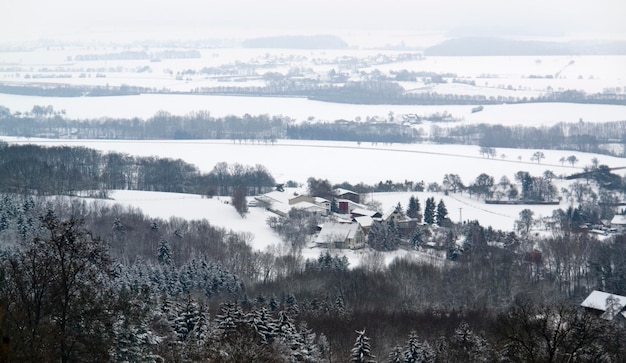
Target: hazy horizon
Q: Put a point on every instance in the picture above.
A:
(118, 20)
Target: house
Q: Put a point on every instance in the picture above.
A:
(608, 306)
(281, 202)
(402, 222)
(301, 198)
(365, 222)
(619, 222)
(360, 212)
(340, 235)
(395, 215)
(341, 193)
(322, 203)
(311, 208)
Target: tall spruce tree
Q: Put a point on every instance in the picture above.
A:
(429, 211)
(414, 209)
(362, 352)
(442, 213)
(165, 256)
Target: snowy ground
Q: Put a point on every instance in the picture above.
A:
(300, 109)
(337, 162)
(298, 160)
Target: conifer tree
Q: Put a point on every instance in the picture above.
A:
(429, 211)
(362, 352)
(414, 209)
(442, 213)
(165, 256)
(418, 352)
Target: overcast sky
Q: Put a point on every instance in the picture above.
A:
(32, 19)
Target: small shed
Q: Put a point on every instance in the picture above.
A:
(607, 305)
(619, 222)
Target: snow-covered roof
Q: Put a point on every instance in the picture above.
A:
(341, 191)
(276, 196)
(611, 304)
(311, 207)
(364, 212)
(364, 221)
(320, 200)
(388, 213)
(337, 232)
(619, 219)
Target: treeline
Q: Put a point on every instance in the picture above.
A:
(139, 55)
(31, 169)
(200, 125)
(580, 136)
(377, 91)
(393, 94)
(385, 91)
(72, 90)
(46, 122)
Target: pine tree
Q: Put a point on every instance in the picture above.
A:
(442, 213)
(471, 347)
(263, 324)
(414, 209)
(187, 317)
(429, 211)
(362, 352)
(396, 355)
(399, 209)
(418, 352)
(165, 256)
(383, 237)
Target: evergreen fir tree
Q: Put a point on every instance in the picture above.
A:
(399, 209)
(470, 347)
(442, 213)
(292, 305)
(418, 352)
(414, 209)
(263, 324)
(187, 317)
(396, 355)
(333, 206)
(164, 257)
(323, 347)
(362, 352)
(273, 304)
(429, 211)
(383, 237)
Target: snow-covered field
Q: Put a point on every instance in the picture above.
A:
(218, 213)
(492, 76)
(338, 162)
(298, 160)
(335, 161)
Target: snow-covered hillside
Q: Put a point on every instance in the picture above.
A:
(337, 162)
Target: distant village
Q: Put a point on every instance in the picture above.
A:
(347, 228)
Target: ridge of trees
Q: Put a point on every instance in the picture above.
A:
(47, 122)
(31, 169)
(379, 89)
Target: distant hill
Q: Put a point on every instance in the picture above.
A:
(508, 47)
(297, 42)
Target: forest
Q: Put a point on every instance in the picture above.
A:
(90, 282)
(78, 171)
(43, 121)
